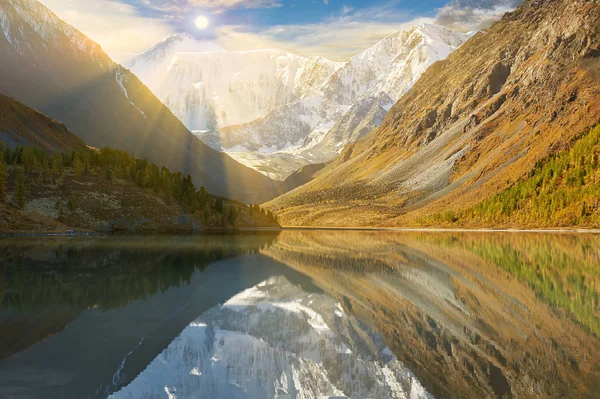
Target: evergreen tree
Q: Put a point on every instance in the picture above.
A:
(203, 197)
(3, 178)
(218, 205)
(55, 168)
(233, 214)
(21, 189)
(72, 204)
(109, 175)
(78, 166)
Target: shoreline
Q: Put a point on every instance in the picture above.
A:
(75, 233)
(437, 230)
(300, 228)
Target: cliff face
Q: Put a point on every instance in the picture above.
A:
(472, 125)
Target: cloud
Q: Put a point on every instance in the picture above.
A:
(474, 14)
(131, 26)
(183, 6)
(355, 30)
(116, 26)
(236, 3)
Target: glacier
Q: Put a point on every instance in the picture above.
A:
(208, 87)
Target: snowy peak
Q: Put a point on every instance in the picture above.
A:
(171, 45)
(266, 104)
(208, 87)
(354, 99)
(149, 65)
(26, 24)
(395, 63)
(441, 34)
(184, 43)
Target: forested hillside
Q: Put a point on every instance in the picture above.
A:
(110, 191)
(562, 190)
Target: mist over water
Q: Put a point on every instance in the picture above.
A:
(301, 313)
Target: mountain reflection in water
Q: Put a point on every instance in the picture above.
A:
(301, 314)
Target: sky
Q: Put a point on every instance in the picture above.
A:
(335, 29)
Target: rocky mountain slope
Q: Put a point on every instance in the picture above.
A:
(471, 126)
(272, 110)
(363, 90)
(53, 68)
(275, 340)
(21, 125)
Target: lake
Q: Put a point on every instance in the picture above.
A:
(301, 314)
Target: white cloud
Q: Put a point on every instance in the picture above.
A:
(337, 37)
(114, 25)
(474, 14)
(236, 3)
(119, 28)
(183, 6)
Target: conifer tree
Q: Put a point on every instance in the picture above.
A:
(218, 205)
(55, 169)
(78, 166)
(72, 203)
(3, 178)
(21, 189)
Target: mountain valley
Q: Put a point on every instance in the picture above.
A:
(51, 67)
(275, 111)
(473, 125)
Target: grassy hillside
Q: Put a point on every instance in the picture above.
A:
(109, 191)
(562, 190)
(472, 126)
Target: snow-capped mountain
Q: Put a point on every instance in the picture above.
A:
(272, 110)
(365, 115)
(275, 340)
(53, 68)
(208, 87)
(19, 18)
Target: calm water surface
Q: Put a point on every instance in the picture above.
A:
(301, 314)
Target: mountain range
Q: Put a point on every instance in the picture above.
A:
(55, 69)
(474, 124)
(426, 122)
(275, 111)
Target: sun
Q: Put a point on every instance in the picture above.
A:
(202, 22)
